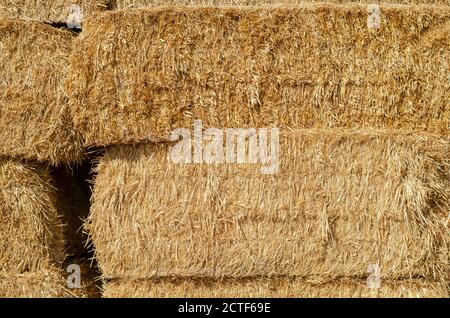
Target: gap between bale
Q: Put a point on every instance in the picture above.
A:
(49, 11)
(74, 193)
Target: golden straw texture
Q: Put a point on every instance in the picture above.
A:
(270, 288)
(137, 74)
(31, 227)
(48, 283)
(129, 4)
(32, 247)
(38, 233)
(48, 10)
(41, 284)
(341, 201)
(34, 117)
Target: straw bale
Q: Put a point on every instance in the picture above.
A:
(137, 74)
(270, 288)
(34, 117)
(31, 227)
(53, 11)
(41, 284)
(132, 4)
(341, 201)
(74, 205)
(47, 283)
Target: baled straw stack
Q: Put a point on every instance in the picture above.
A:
(270, 288)
(136, 74)
(340, 202)
(132, 4)
(34, 117)
(53, 11)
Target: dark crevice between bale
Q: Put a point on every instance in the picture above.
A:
(63, 26)
(73, 197)
(108, 6)
(112, 5)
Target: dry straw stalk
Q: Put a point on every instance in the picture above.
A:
(31, 227)
(34, 117)
(272, 288)
(48, 283)
(136, 74)
(37, 284)
(128, 4)
(39, 219)
(54, 11)
(342, 200)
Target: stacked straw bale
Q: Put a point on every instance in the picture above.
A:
(32, 247)
(136, 74)
(35, 233)
(37, 284)
(272, 288)
(341, 200)
(53, 11)
(34, 116)
(50, 283)
(132, 4)
(31, 227)
(39, 206)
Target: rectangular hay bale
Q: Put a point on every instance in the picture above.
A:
(270, 288)
(137, 74)
(34, 116)
(341, 201)
(31, 226)
(133, 4)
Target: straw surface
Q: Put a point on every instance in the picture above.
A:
(40, 233)
(127, 4)
(48, 283)
(48, 10)
(40, 284)
(341, 201)
(34, 117)
(137, 74)
(31, 227)
(270, 288)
